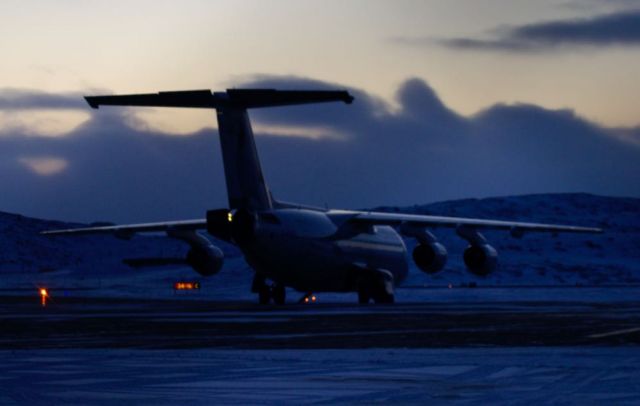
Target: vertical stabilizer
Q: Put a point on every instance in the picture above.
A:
(246, 186)
(245, 183)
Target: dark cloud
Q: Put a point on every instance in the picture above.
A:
(621, 28)
(590, 5)
(20, 99)
(424, 152)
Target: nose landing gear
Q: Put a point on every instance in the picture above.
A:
(267, 293)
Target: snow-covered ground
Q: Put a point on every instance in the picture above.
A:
(526, 376)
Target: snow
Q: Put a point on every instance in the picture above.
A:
(459, 376)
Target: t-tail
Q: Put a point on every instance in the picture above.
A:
(246, 186)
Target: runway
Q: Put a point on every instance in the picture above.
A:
(187, 324)
(494, 347)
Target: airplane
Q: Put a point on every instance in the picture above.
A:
(306, 248)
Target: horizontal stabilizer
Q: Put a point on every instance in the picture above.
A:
(191, 98)
(232, 98)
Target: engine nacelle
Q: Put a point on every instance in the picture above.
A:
(481, 259)
(430, 258)
(204, 257)
(206, 261)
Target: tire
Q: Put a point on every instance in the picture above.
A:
(384, 298)
(363, 296)
(258, 283)
(264, 295)
(279, 294)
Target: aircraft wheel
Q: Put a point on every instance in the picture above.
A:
(363, 297)
(264, 295)
(279, 294)
(384, 298)
(364, 289)
(376, 285)
(258, 283)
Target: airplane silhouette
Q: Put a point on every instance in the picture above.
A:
(306, 248)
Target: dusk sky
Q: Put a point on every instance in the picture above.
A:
(454, 99)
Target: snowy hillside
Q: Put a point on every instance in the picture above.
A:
(28, 259)
(95, 262)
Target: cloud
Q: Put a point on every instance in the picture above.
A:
(37, 113)
(421, 152)
(590, 5)
(45, 166)
(23, 99)
(618, 29)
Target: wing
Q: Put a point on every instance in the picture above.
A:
(394, 219)
(128, 230)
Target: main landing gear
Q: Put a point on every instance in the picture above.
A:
(267, 293)
(376, 285)
(371, 284)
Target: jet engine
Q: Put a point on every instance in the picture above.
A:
(206, 261)
(204, 257)
(430, 257)
(480, 259)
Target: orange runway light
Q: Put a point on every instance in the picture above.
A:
(44, 294)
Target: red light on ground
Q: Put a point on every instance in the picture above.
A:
(186, 285)
(44, 294)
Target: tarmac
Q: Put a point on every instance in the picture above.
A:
(188, 324)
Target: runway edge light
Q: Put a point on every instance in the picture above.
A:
(44, 294)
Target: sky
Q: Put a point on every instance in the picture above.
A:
(454, 99)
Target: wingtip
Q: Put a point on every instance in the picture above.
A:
(348, 99)
(92, 102)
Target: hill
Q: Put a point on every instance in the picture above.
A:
(28, 259)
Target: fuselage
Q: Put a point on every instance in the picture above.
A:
(311, 252)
